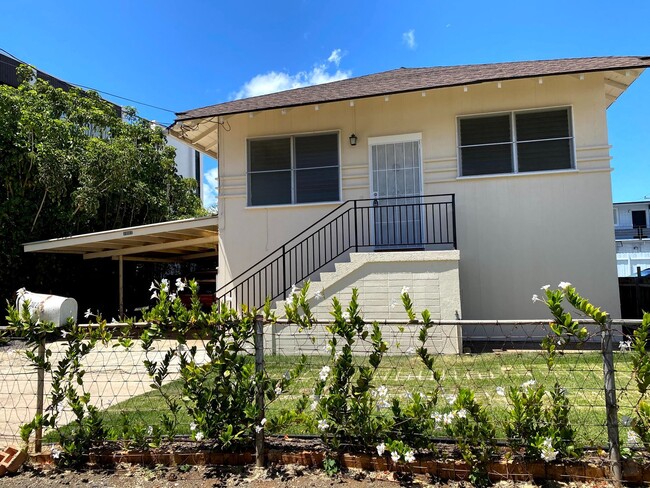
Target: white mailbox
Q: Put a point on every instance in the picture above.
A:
(49, 308)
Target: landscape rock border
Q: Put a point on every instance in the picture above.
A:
(452, 470)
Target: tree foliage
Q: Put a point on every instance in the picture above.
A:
(70, 163)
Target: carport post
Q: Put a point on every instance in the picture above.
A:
(120, 264)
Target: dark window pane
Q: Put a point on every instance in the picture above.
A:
(271, 188)
(317, 151)
(317, 185)
(542, 125)
(544, 155)
(269, 154)
(485, 130)
(485, 160)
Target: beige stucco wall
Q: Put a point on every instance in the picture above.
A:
(515, 232)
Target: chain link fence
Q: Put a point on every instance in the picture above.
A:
(487, 357)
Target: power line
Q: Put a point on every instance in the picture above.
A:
(89, 87)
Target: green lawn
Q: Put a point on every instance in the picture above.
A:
(579, 372)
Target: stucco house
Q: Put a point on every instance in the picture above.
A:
(470, 185)
(632, 237)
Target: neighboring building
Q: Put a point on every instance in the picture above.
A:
(517, 155)
(189, 162)
(632, 237)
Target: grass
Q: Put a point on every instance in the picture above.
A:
(580, 373)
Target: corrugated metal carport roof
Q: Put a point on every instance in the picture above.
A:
(175, 241)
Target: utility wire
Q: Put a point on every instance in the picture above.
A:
(86, 87)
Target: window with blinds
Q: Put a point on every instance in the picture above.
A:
(516, 142)
(293, 169)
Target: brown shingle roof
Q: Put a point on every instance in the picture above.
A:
(414, 79)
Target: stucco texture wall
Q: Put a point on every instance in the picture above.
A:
(515, 232)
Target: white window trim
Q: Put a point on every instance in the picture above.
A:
(513, 141)
(616, 217)
(291, 136)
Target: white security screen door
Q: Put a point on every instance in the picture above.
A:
(396, 190)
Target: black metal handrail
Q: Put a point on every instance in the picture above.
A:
(380, 224)
(637, 232)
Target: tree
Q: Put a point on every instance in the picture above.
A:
(70, 163)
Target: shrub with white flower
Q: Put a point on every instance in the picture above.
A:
(199, 436)
(323, 425)
(381, 448)
(501, 391)
(547, 451)
(395, 456)
(409, 456)
(324, 373)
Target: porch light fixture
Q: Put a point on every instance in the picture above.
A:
(353, 140)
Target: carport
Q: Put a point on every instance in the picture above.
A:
(166, 242)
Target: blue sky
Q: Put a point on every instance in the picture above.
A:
(183, 55)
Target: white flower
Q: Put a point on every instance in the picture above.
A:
(545, 287)
(328, 347)
(633, 439)
(21, 293)
(381, 448)
(462, 413)
(338, 355)
(164, 284)
(536, 299)
(528, 384)
(258, 428)
(150, 430)
(154, 295)
(394, 456)
(153, 286)
(64, 333)
(199, 436)
(450, 398)
(564, 285)
(293, 291)
(278, 390)
(548, 443)
(324, 373)
(314, 405)
(437, 417)
(323, 425)
(501, 391)
(56, 453)
(114, 321)
(319, 294)
(346, 315)
(227, 298)
(448, 418)
(409, 457)
(88, 313)
(408, 395)
(180, 284)
(625, 346)
(172, 297)
(405, 290)
(549, 455)
(193, 426)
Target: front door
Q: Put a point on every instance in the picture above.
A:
(639, 219)
(396, 191)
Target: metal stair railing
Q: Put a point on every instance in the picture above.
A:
(376, 224)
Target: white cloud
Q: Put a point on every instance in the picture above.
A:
(210, 190)
(335, 57)
(408, 38)
(275, 81)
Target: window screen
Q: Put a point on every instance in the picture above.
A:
(516, 142)
(296, 169)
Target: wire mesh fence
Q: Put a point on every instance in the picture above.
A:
(487, 357)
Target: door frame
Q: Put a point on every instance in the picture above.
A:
(392, 139)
